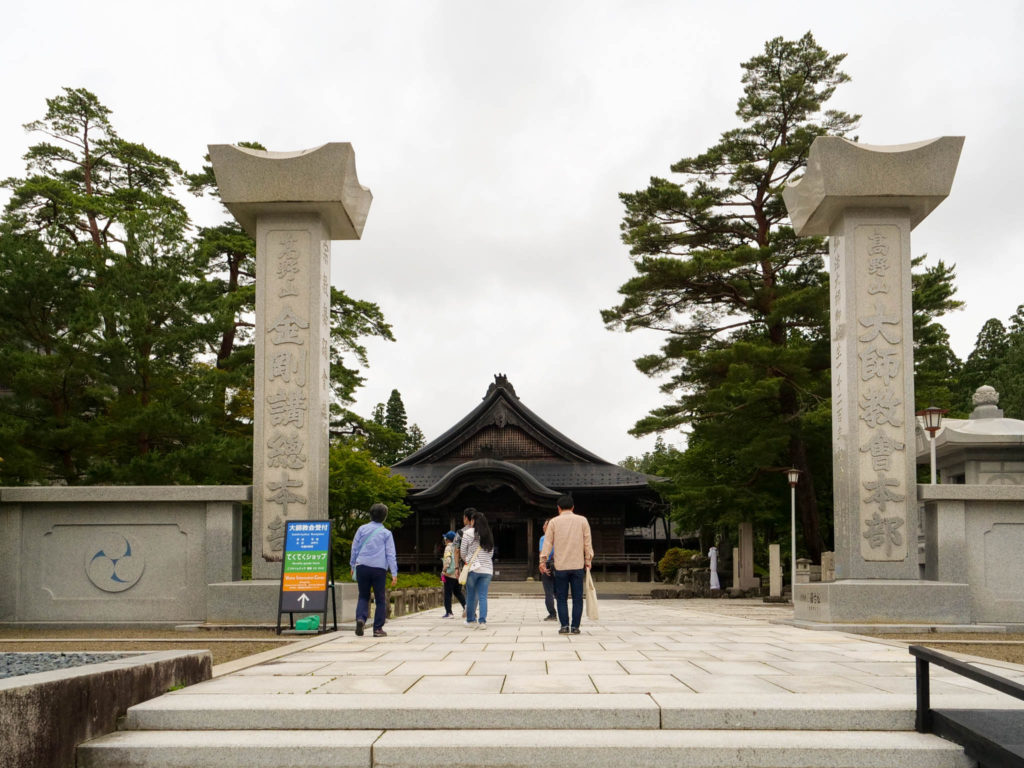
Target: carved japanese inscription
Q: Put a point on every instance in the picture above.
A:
(289, 339)
(880, 375)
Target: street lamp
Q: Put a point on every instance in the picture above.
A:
(932, 424)
(793, 474)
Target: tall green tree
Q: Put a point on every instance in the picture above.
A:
(997, 360)
(105, 206)
(126, 351)
(355, 483)
(742, 301)
(937, 369)
(988, 356)
(1011, 380)
(389, 436)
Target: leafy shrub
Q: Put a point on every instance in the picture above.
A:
(673, 560)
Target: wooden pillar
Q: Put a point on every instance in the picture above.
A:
(531, 551)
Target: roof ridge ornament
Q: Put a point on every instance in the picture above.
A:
(501, 382)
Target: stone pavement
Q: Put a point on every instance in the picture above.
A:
(684, 646)
(690, 681)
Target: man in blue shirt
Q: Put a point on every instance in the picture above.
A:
(373, 555)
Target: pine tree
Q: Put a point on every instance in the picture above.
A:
(989, 353)
(104, 207)
(743, 301)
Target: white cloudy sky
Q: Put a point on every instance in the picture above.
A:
(496, 136)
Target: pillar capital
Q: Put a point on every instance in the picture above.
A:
(321, 180)
(842, 174)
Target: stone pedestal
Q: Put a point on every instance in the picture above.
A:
(293, 204)
(866, 200)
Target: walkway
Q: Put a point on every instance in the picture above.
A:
(677, 678)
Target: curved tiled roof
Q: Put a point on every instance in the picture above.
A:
(518, 442)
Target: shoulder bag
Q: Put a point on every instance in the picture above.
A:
(590, 593)
(467, 567)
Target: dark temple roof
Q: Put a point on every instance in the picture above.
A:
(505, 441)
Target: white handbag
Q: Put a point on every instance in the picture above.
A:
(590, 594)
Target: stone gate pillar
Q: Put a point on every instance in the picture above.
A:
(867, 199)
(294, 204)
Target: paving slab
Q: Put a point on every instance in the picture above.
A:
(549, 684)
(456, 685)
(353, 684)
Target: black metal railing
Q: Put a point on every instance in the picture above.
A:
(995, 738)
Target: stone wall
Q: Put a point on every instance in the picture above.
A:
(116, 553)
(975, 533)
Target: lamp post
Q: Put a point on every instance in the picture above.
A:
(932, 424)
(793, 474)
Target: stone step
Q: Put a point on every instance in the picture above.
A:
(626, 711)
(450, 745)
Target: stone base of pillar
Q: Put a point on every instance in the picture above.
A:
(883, 601)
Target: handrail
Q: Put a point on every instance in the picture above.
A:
(924, 721)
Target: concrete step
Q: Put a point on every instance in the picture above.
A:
(527, 711)
(510, 749)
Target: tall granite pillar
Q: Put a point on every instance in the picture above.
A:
(294, 204)
(867, 200)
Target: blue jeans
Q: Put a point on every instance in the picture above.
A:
(367, 577)
(476, 592)
(564, 580)
(548, 580)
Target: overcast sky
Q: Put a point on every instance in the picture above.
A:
(496, 136)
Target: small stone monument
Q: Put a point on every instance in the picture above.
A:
(867, 199)
(293, 204)
(745, 569)
(774, 570)
(828, 566)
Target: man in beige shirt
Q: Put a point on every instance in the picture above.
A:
(568, 535)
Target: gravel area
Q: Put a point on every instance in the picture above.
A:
(14, 664)
(1001, 646)
(225, 645)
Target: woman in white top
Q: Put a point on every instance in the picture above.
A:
(477, 552)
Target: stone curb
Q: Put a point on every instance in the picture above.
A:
(44, 716)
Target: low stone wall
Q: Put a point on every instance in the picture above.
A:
(116, 553)
(975, 534)
(45, 716)
(406, 601)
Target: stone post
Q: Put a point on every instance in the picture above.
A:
(866, 200)
(747, 580)
(735, 568)
(293, 204)
(774, 570)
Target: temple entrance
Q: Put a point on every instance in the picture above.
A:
(511, 549)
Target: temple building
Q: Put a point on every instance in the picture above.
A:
(510, 464)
